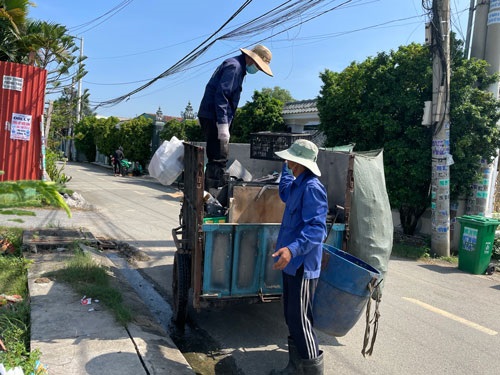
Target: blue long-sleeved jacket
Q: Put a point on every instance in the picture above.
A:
(303, 228)
(223, 90)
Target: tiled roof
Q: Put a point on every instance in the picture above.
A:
(301, 106)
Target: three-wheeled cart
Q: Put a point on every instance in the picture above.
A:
(217, 263)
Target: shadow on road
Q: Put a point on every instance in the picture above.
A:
(443, 269)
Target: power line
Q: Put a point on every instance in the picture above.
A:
(304, 11)
(184, 61)
(269, 20)
(110, 13)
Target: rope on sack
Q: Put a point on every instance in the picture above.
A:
(373, 286)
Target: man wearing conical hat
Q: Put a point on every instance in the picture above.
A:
(219, 103)
(298, 253)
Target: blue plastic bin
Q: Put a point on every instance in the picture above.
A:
(342, 292)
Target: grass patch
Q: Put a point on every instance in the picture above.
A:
(81, 272)
(17, 212)
(418, 249)
(16, 220)
(15, 318)
(92, 280)
(411, 251)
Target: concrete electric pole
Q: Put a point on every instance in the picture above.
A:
(440, 189)
(485, 46)
(79, 106)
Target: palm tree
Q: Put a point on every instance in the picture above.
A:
(50, 47)
(45, 45)
(12, 22)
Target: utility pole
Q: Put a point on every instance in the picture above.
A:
(469, 29)
(72, 148)
(485, 46)
(440, 189)
(79, 107)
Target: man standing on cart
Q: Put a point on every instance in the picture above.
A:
(299, 251)
(219, 103)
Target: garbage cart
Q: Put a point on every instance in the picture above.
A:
(218, 261)
(477, 234)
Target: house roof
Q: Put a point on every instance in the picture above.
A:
(301, 106)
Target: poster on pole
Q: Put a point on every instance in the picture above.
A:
(20, 127)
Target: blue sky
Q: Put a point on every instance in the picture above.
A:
(127, 48)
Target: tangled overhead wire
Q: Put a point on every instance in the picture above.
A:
(288, 15)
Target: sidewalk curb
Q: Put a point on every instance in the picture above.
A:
(95, 342)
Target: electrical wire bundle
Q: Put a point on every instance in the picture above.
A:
(284, 17)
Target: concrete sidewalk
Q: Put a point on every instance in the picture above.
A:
(86, 339)
(74, 340)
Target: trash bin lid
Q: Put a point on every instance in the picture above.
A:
(478, 220)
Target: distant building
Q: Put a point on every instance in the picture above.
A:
(159, 116)
(301, 115)
(189, 114)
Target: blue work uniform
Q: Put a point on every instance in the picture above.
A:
(218, 106)
(303, 231)
(223, 90)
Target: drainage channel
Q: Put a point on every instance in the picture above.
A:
(201, 352)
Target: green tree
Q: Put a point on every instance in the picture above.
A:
(277, 92)
(193, 131)
(135, 138)
(64, 117)
(263, 113)
(43, 44)
(12, 24)
(106, 135)
(85, 137)
(378, 103)
(172, 128)
(187, 130)
(474, 132)
(51, 47)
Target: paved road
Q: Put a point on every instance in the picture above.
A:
(434, 317)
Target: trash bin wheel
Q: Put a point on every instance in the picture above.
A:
(181, 278)
(491, 269)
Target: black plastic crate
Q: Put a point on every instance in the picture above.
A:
(263, 145)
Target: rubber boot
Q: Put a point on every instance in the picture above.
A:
(312, 366)
(292, 368)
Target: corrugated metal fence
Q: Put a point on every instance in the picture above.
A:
(22, 94)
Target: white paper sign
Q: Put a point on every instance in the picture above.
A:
(20, 127)
(12, 83)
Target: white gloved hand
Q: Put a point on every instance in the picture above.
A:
(223, 132)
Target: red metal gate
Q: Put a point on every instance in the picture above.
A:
(22, 94)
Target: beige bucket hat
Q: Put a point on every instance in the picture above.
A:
(262, 57)
(303, 152)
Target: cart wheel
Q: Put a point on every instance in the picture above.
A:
(180, 287)
(491, 269)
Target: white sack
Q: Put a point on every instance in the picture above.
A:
(168, 161)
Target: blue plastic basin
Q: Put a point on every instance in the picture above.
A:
(342, 292)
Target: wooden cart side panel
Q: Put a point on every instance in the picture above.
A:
(193, 214)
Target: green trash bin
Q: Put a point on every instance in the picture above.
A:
(477, 234)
